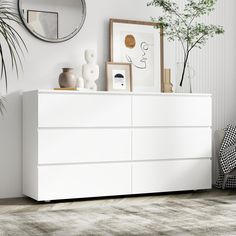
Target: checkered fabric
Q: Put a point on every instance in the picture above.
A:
(230, 137)
(231, 181)
(227, 157)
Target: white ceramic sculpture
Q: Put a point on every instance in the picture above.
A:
(90, 70)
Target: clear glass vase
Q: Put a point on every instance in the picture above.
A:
(187, 85)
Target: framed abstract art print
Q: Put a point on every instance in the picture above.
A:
(140, 44)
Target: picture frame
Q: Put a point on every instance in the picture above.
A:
(140, 43)
(43, 23)
(119, 77)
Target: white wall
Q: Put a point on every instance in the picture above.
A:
(214, 65)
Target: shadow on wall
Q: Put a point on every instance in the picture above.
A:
(11, 147)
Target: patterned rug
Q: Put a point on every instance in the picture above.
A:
(209, 216)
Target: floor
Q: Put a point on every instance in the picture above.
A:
(193, 213)
(27, 204)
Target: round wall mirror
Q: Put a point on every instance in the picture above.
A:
(53, 20)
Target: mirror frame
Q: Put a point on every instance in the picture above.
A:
(53, 40)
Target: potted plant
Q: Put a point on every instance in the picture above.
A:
(11, 43)
(184, 26)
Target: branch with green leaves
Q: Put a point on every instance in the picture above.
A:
(184, 26)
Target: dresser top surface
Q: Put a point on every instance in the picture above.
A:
(116, 93)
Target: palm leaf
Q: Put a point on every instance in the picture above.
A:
(11, 44)
(14, 44)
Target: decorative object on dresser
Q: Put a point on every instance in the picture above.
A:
(65, 89)
(189, 75)
(67, 79)
(139, 43)
(57, 22)
(191, 33)
(80, 83)
(90, 70)
(167, 81)
(119, 76)
(151, 142)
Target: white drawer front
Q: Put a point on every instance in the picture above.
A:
(171, 143)
(78, 181)
(171, 111)
(83, 145)
(81, 110)
(164, 176)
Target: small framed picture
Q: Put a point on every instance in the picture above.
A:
(119, 77)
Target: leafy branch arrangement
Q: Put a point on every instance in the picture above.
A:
(11, 43)
(182, 25)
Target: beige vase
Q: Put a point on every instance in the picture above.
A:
(67, 78)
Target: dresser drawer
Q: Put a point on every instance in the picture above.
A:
(83, 110)
(171, 143)
(79, 181)
(171, 110)
(58, 146)
(164, 176)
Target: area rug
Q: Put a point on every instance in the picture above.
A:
(209, 216)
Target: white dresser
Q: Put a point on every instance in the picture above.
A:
(78, 145)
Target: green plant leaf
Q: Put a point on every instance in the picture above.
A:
(11, 42)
